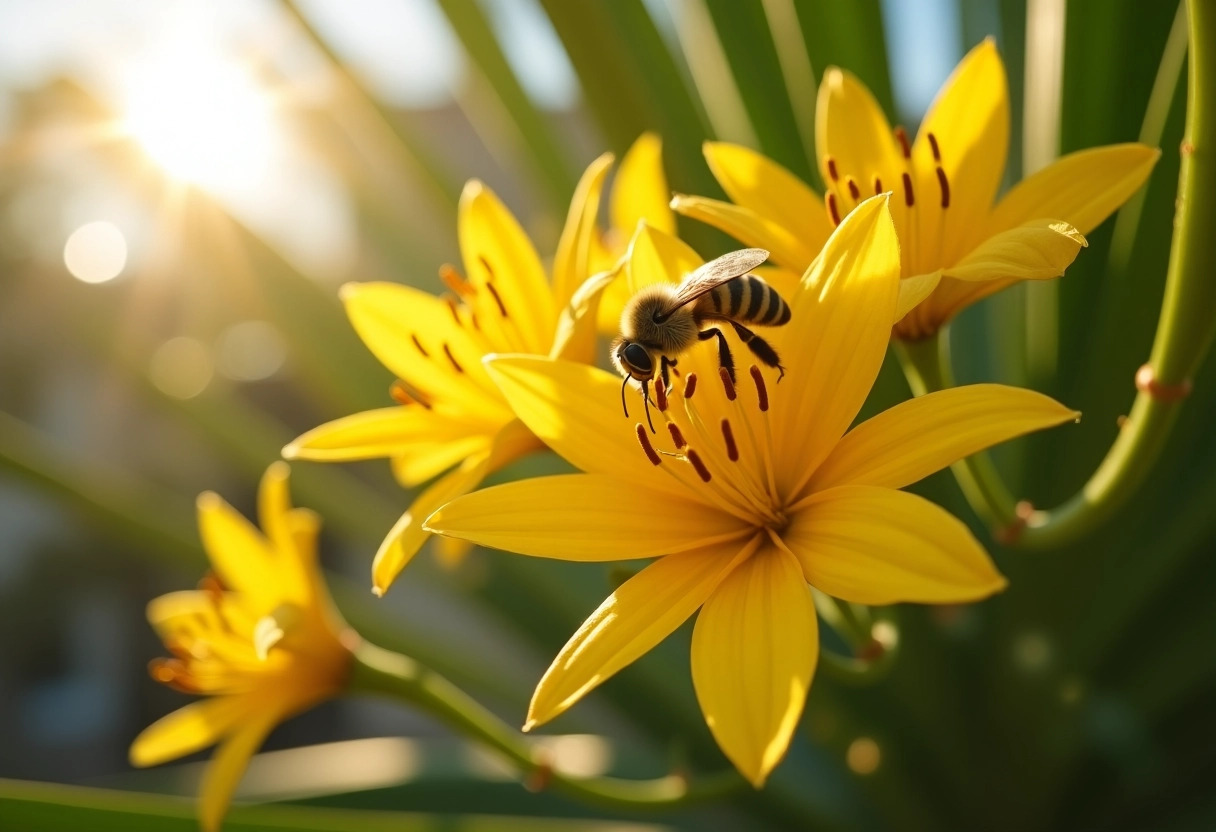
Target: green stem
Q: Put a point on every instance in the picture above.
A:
(1185, 331)
(874, 644)
(379, 671)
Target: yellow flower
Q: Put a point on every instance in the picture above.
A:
(451, 416)
(260, 638)
(952, 234)
(748, 494)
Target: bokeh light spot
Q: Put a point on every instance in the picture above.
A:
(249, 351)
(1032, 652)
(864, 756)
(96, 252)
(181, 368)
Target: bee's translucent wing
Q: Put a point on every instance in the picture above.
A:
(715, 273)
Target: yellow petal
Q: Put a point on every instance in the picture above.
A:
(578, 324)
(583, 517)
(384, 432)
(240, 555)
(572, 263)
(914, 290)
(918, 437)
(785, 247)
(754, 650)
(658, 257)
(1082, 188)
(640, 190)
(754, 181)
(1035, 250)
(496, 250)
(294, 545)
(880, 546)
(642, 612)
(836, 340)
(850, 128)
(431, 459)
(407, 535)
(450, 552)
(970, 121)
(575, 410)
(226, 769)
(187, 730)
(395, 320)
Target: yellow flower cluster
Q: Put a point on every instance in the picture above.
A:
(755, 487)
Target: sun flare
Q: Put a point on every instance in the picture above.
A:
(202, 117)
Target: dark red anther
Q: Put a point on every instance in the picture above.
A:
(418, 344)
(455, 364)
(761, 389)
(453, 308)
(695, 459)
(644, 439)
(728, 436)
(909, 198)
(690, 385)
(854, 191)
(502, 309)
(937, 153)
(902, 136)
(833, 210)
(945, 185)
(660, 394)
(877, 186)
(727, 383)
(676, 436)
(832, 172)
(452, 279)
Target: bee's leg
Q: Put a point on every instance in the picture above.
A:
(667, 364)
(759, 347)
(646, 402)
(624, 406)
(725, 359)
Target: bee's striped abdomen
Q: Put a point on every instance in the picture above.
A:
(747, 300)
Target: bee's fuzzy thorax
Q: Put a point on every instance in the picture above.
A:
(668, 337)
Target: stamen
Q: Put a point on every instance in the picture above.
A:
(902, 136)
(833, 211)
(451, 301)
(732, 450)
(761, 389)
(455, 364)
(695, 459)
(212, 585)
(832, 169)
(452, 279)
(690, 385)
(676, 436)
(877, 186)
(937, 153)
(909, 199)
(473, 318)
(945, 184)
(418, 344)
(727, 384)
(644, 439)
(173, 673)
(660, 394)
(854, 191)
(502, 309)
(399, 394)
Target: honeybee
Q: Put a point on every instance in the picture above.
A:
(662, 321)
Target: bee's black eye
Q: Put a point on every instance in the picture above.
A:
(637, 358)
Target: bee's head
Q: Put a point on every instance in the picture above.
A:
(632, 359)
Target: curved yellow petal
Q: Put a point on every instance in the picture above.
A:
(1082, 188)
(970, 122)
(656, 256)
(188, 729)
(754, 650)
(1034, 250)
(294, 542)
(407, 330)
(920, 436)
(914, 290)
(880, 546)
(575, 410)
(754, 181)
(579, 323)
(947, 300)
(384, 432)
(851, 130)
(407, 535)
(642, 612)
(785, 247)
(836, 340)
(429, 460)
(583, 517)
(240, 555)
(572, 262)
(496, 251)
(640, 190)
(226, 769)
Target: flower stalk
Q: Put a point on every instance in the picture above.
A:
(1185, 332)
(385, 673)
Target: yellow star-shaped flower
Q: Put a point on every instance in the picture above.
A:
(959, 242)
(748, 495)
(259, 638)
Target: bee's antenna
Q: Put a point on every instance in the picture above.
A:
(646, 402)
(624, 406)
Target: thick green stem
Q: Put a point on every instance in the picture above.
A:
(1184, 335)
(382, 672)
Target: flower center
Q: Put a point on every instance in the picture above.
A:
(723, 451)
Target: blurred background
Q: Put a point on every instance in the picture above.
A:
(185, 184)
